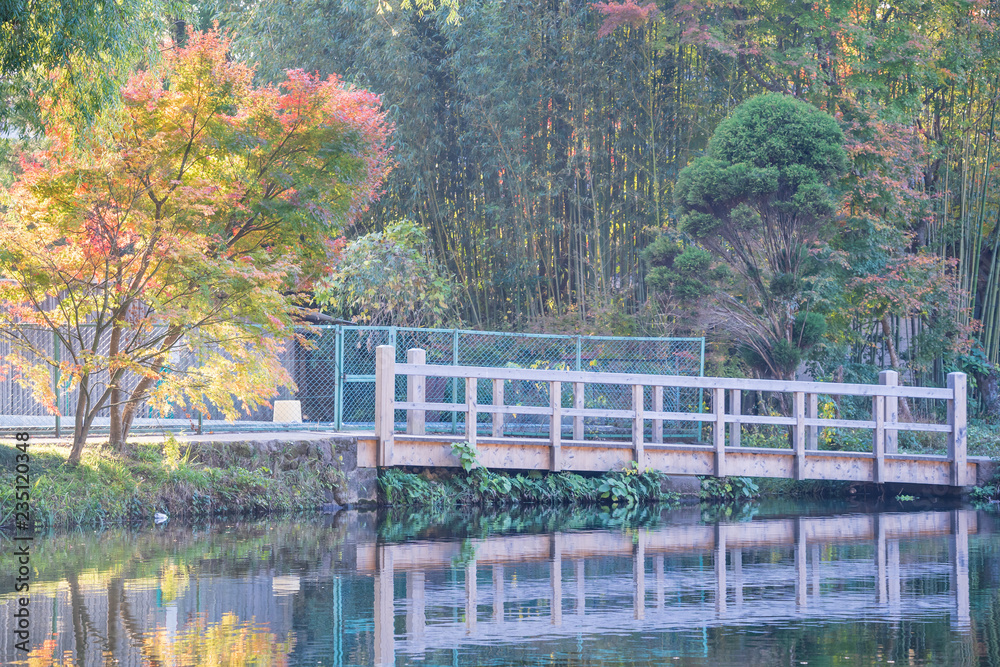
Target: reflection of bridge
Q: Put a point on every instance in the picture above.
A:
(803, 460)
(607, 604)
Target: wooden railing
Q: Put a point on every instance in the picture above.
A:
(805, 422)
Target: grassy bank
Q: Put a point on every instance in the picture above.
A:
(117, 487)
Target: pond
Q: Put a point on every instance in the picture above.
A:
(768, 584)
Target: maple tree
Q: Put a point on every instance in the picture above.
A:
(185, 223)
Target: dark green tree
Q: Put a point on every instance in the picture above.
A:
(760, 201)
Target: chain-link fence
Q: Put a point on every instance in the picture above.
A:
(334, 370)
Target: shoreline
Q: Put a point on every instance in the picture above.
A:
(240, 475)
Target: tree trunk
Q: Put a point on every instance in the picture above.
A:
(904, 405)
(127, 415)
(79, 428)
(115, 436)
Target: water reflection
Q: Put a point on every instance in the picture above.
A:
(537, 587)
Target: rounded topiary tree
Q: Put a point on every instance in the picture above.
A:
(761, 200)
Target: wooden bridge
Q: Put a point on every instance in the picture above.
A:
(724, 456)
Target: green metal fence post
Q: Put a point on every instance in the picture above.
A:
(338, 387)
(701, 373)
(579, 353)
(454, 381)
(56, 380)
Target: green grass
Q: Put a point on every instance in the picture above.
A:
(111, 488)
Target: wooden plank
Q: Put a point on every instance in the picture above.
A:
(471, 412)
(878, 408)
(555, 425)
(719, 430)
(497, 428)
(799, 434)
(957, 420)
(578, 404)
(657, 407)
(676, 416)
(442, 407)
(385, 390)
(638, 426)
(415, 393)
(735, 410)
(833, 388)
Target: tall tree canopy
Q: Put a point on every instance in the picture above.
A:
(84, 49)
(760, 200)
(539, 144)
(185, 222)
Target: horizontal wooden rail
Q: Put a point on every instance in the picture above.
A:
(786, 386)
(804, 420)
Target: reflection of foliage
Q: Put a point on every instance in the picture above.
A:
(173, 581)
(228, 642)
(727, 511)
(401, 524)
(987, 496)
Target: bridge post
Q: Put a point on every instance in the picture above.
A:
(471, 413)
(638, 426)
(957, 437)
(657, 407)
(735, 409)
(878, 408)
(555, 425)
(415, 392)
(719, 430)
(497, 402)
(890, 379)
(799, 435)
(812, 412)
(385, 395)
(578, 403)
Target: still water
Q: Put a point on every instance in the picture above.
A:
(774, 584)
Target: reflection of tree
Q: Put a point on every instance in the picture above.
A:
(229, 642)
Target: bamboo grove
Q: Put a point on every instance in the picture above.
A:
(538, 143)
